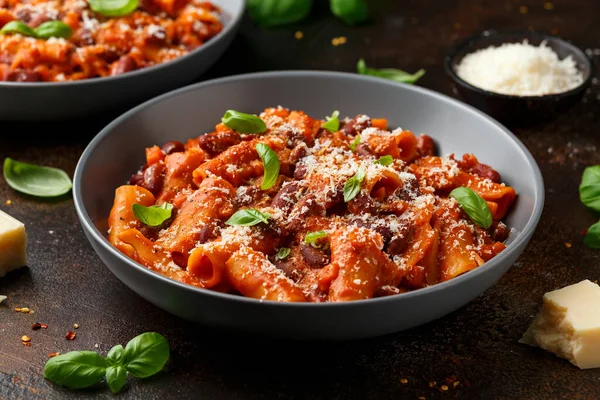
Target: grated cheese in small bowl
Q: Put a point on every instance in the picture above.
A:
(520, 69)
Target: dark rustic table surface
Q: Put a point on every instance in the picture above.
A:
(476, 346)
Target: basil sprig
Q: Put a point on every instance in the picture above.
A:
(333, 122)
(351, 12)
(153, 215)
(385, 160)
(45, 31)
(243, 123)
(589, 189)
(312, 237)
(144, 355)
(473, 205)
(355, 143)
(36, 180)
(389, 73)
(113, 8)
(269, 13)
(283, 252)
(592, 236)
(352, 185)
(248, 217)
(270, 164)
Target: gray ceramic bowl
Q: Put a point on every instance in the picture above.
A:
(118, 150)
(47, 101)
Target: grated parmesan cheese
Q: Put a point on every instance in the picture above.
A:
(520, 69)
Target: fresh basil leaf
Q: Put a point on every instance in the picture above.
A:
(53, 29)
(153, 215)
(243, 123)
(592, 237)
(76, 369)
(115, 355)
(355, 143)
(269, 13)
(36, 180)
(389, 73)
(113, 8)
(352, 185)
(333, 122)
(146, 354)
(283, 253)
(248, 217)
(18, 27)
(472, 204)
(312, 237)
(589, 189)
(385, 160)
(270, 164)
(116, 377)
(351, 12)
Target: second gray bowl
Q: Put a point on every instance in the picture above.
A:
(116, 152)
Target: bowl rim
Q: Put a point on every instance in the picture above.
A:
(236, 17)
(100, 239)
(468, 41)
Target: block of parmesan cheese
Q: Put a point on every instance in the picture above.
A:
(568, 324)
(13, 244)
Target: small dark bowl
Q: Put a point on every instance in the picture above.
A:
(511, 109)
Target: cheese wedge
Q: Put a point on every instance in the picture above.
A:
(13, 244)
(568, 324)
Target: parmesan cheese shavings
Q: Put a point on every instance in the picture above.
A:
(520, 69)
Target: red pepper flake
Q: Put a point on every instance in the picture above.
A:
(71, 335)
(583, 232)
(44, 326)
(36, 326)
(54, 354)
(15, 379)
(467, 383)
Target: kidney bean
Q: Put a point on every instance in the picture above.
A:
(362, 203)
(500, 232)
(217, 142)
(125, 64)
(315, 257)
(23, 76)
(409, 191)
(364, 151)
(210, 231)
(136, 178)
(286, 197)
(356, 125)
(400, 241)
(298, 152)
(86, 37)
(486, 172)
(153, 178)
(306, 206)
(172, 147)
(425, 146)
(300, 171)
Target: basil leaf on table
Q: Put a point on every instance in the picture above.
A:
(153, 215)
(116, 377)
(333, 122)
(589, 189)
(389, 73)
(592, 237)
(352, 185)
(385, 160)
(76, 369)
(146, 354)
(248, 217)
(18, 27)
(36, 180)
(243, 123)
(115, 355)
(473, 205)
(270, 164)
(113, 8)
(283, 253)
(312, 237)
(53, 29)
(351, 12)
(269, 13)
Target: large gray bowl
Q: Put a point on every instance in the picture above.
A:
(46, 101)
(118, 150)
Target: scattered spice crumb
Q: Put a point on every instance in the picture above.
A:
(71, 335)
(432, 384)
(44, 326)
(523, 9)
(8, 202)
(25, 339)
(339, 40)
(28, 344)
(568, 245)
(403, 381)
(36, 326)
(455, 384)
(548, 6)
(298, 35)
(444, 388)
(54, 354)
(23, 310)
(76, 326)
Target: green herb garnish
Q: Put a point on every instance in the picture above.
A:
(18, 27)
(283, 253)
(153, 215)
(36, 180)
(385, 160)
(473, 205)
(352, 185)
(278, 12)
(248, 217)
(351, 12)
(270, 164)
(45, 31)
(243, 123)
(389, 73)
(589, 189)
(333, 122)
(355, 143)
(144, 355)
(113, 8)
(312, 237)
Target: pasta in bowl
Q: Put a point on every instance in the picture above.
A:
(287, 207)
